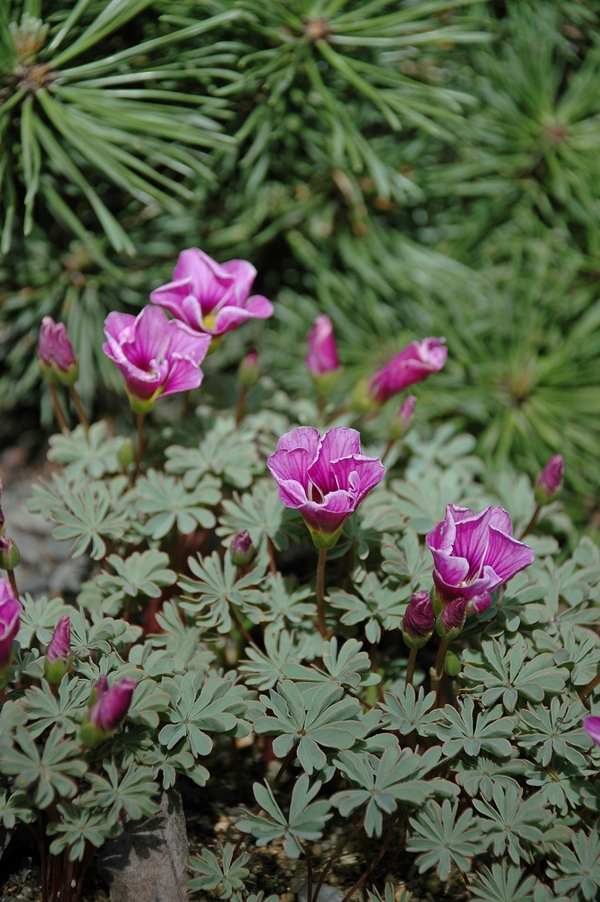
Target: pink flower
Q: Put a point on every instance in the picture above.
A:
(322, 354)
(549, 481)
(413, 364)
(474, 554)
(242, 549)
(112, 704)
(591, 725)
(211, 297)
(324, 478)
(58, 652)
(10, 620)
(55, 353)
(157, 356)
(403, 419)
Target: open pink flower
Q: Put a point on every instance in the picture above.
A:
(413, 364)
(322, 354)
(10, 620)
(211, 297)
(324, 478)
(474, 554)
(156, 355)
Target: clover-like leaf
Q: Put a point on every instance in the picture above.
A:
(142, 573)
(93, 454)
(78, 827)
(512, 824)
(199, 707)
(130, 793)
(46, 773)
(580, 863)
(383, 782)
(443, 840)
(226, 451)
(215, 588)
(305, 819)
(507, 674)
(320, 717)
(169, 503)
(466, 730)
(377, 605)
(229, 874)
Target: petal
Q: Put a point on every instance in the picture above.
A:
(149, 341)
(507, 555)
(451, 570)
(471, 541)
(367, 473)
(286, 465)
(500, 519)
(186, 343)
(591, 725)
(243, 274)
(209, 281)
(459, 513)
(183, 376)
(116, 323)
(301, 437)
(339, 442)
(230, 317)
(292, 493)
(479, 603)
(328, 516)
(172, 297)
(442, 537)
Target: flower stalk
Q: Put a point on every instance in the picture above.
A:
(321, 622)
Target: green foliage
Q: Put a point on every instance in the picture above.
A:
(442, 839)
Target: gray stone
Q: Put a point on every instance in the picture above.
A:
(148, 861)
(326, 893)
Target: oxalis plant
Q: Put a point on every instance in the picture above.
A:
(425, 674)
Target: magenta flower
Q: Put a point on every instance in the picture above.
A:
(112, 704)
(211, 297)
(591, 725)
(55, 353)
(413, 364)
(157, 356)
(474, 554)
(322, 354)
(10, 611)
(452, 618)
(418, 620)
(58, 651)
(324, 478)
(549, 481)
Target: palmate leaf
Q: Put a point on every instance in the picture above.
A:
(167, 500)
(406, 558)
(142, 573)
(442, 840)
(561, 784)
(90, 454)
(200, 706)
(39, 618)
(405, 709)
(87, 516)
(63, 709)
(482, 775)
(279, 604)
(305, 819)
(229, 874)
(508, 675)
(348, 666)
(469, 731)
(384, 782)
(555, 730)
(318, 717)
(379, 606)
(262, 514)
(170, 764)
(580, 864)
(503, 883)
(46, 774)
(78, 827)
(215, 588)
(573, 646)
(224, 451)
(265, 668)
(15, 807)
(130, 793)
(511, 824)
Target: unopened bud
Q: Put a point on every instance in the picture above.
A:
(58, 653)
(249, 369)
(9, 554)
(549, 481)
(452, 664)
(452, 619)
(403, 419)
(242, 549)
(127, 453)
(419, 620)
(55, 353)
(108, 708)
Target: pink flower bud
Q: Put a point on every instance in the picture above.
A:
(58, 653)
(419, 360)
(549, 481)
(10, 611)
(451, 621)
(403, 419)
(249, 369)
(419, 620)
(55, 352)
(9, 554)
(111, 705)
(322, 354)
(1, 512)
(242, 549)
